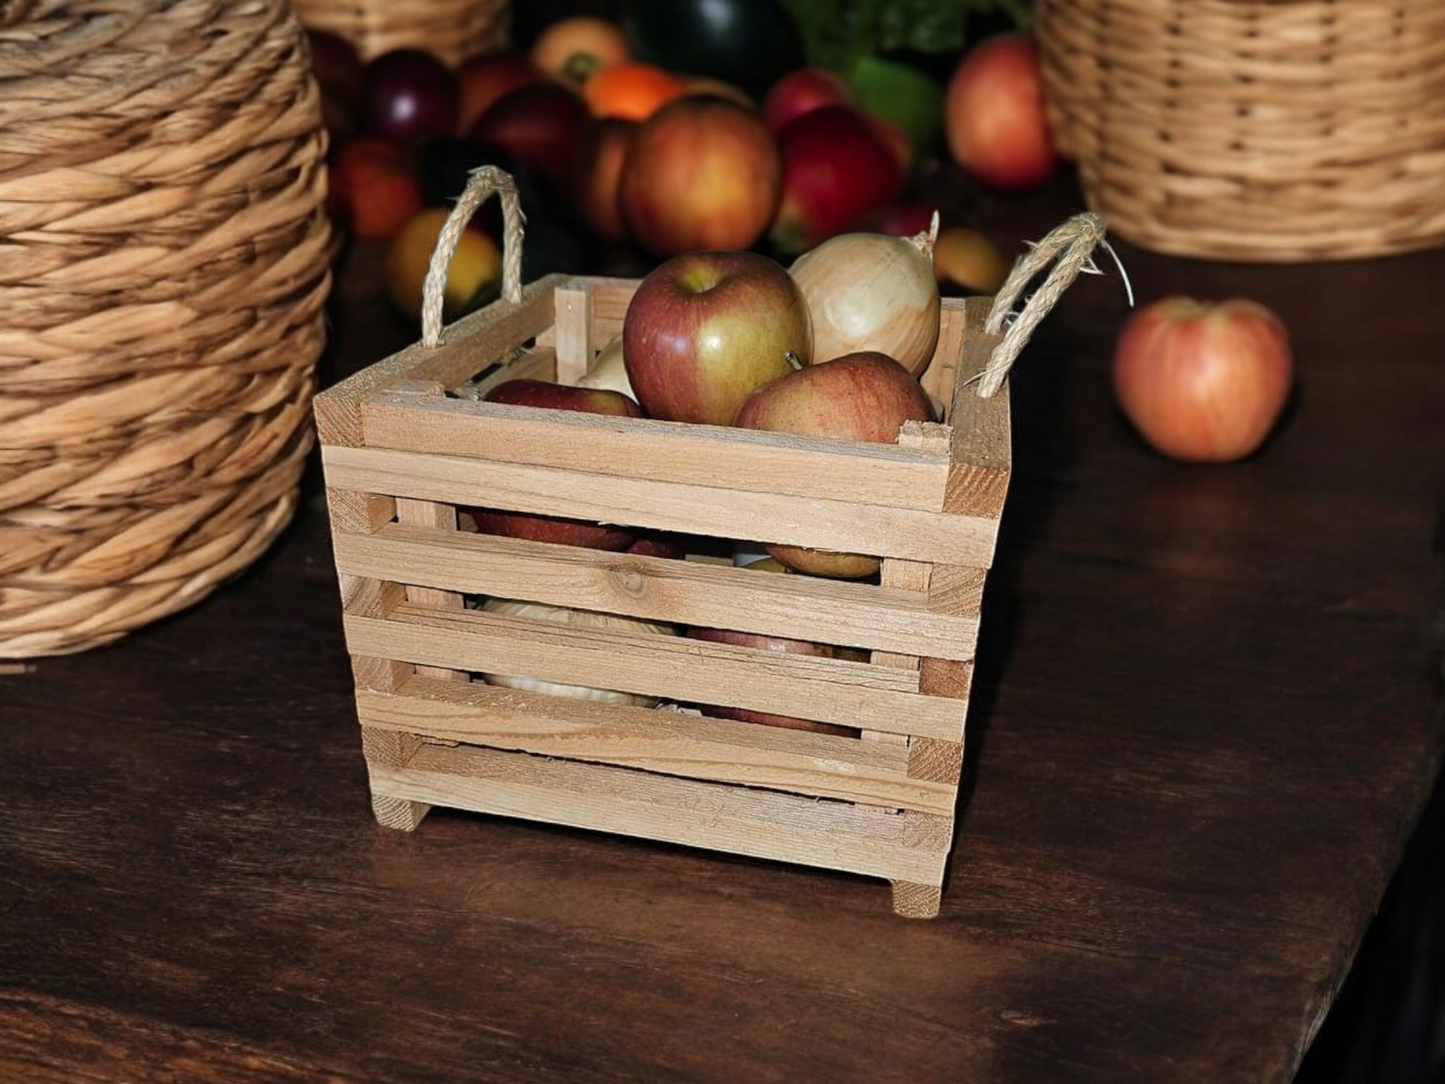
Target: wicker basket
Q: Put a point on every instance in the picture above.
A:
(1254, 130)
(164, 272)
(450, 29)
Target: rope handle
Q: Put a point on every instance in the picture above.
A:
(481, 183)
(1072, 244)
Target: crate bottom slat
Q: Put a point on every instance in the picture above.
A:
(904, 848)
(663, 742)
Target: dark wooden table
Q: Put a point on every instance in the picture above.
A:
(1205, 720)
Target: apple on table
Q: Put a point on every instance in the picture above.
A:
(1203, 381)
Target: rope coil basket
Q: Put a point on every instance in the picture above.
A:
(450, 29)
(163, 271)
(1253, 130)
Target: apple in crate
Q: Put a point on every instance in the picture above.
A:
(704, 330)
(539, 528)
(785, 644)
(860, 396)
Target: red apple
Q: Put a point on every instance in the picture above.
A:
(540, 528)
(801, 91)
(409, 95)
(658, 544)
(373, 188)
(1203, 381)
(895, 137)
(482, 78)
(601, 171)
(704, 330)
(543, 126)
(702, 173)
(994, 114)
(836, 168)
(860, 396)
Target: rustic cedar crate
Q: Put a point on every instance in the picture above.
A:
(400, 455)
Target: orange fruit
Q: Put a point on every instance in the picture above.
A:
(632, 90)
(474, 275)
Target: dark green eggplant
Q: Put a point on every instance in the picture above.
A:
(748, 43)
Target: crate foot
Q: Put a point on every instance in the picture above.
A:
(913, 900)
(399, 813)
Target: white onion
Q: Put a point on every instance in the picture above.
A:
(592, 619)
(608, 371)
(869, 291)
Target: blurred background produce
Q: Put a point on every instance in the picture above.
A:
(637, 131)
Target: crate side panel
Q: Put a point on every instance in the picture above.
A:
(714, 456)
(659, 740)
(981, 450)
(689, 509)
(696, 813)
(662, 589)
(467, 346)
(673, 668)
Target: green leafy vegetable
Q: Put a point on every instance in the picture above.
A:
(837, 33)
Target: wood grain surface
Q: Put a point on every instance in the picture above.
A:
(1203, 720)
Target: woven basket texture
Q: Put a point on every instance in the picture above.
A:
(1253, 130)
(450, 29)
(164, 269)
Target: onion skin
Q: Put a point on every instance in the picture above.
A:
(1203, 382)
(871, 292)
(609, 371)
(578, 618)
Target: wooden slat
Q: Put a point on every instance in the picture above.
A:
(669, 742)
(674, 668)
(690, 509)
(940, 377)
(703, 455)
(442, 517)
(539, 363)
(571, 331)
(981, 447)
(686, 592)
(358, 513)
(610, 298)
(695, 813)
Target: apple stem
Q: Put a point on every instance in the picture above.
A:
(792, 359)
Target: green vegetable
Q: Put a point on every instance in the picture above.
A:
(903, 94)
(837, 33)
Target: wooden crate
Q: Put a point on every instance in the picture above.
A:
(401, 454)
